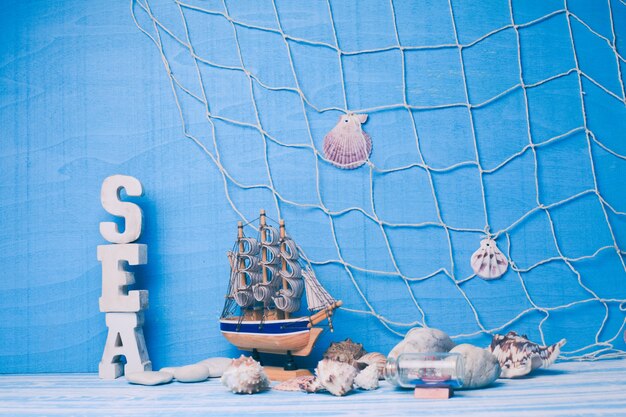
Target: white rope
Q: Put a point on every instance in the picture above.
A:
(593, 350)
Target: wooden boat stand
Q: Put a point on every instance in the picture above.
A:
(288, 371)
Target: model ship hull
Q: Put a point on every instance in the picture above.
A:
(275, 336)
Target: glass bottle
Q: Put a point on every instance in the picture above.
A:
(410, 370)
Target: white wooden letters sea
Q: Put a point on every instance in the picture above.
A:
(123, 308)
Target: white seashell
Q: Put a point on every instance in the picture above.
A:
(518, 356)
(374, 358)
(347, 146)
(367, 379)
(488, 262)
(336, 377)
(245, 376)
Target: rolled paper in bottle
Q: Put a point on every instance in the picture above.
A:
(437, 369)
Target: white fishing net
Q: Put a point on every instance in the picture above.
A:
(530, 206)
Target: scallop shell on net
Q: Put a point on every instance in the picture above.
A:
(488, 262)
(245, 376)
(518, 356)
(347, 146)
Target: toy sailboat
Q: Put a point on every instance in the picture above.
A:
(267, 281)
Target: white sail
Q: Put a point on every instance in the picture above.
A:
(244, 264)
(287, 304)
(269, 235)
(317, 297)
(263, 291)
(250, 246)
(291, 270)
(272, 255)
(289, 250)
(244, 297)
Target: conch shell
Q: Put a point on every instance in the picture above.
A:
(245, 376)
(336, 377)
(518, 356)
(488, 262)
(346, 352)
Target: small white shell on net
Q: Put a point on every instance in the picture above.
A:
(488, 262)
(347, 146)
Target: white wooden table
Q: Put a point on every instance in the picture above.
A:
(566, 389)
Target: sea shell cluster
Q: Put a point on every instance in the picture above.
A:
(245, 376)
(488, 262)
(347, 146)
(518, 356)
(345, 366)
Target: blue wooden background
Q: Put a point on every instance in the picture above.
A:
(84, 95)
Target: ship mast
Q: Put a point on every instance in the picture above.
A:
(283, 261)
(262, 224)
(263, 250)
(242, 263)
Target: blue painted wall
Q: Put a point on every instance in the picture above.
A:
(84, 94)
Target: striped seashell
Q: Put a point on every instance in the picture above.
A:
(374, 358)
(518, 356)
(488, 262)
(347, 146)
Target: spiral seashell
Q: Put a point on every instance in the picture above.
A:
(378, 360)
(488, 262)
(245, 376)
(346, 351)
(347, 146)
(518, 356)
